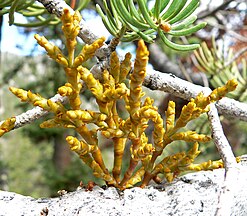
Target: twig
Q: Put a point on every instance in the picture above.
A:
(184, 71)
(227, 193)
(220, 140)
(161, 62)
(183, 89)
(234, 34)
(36, 113)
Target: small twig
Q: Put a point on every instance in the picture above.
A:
(113, 44)
(36, 113)
(220, 140)
(229, 31)
(230, 164)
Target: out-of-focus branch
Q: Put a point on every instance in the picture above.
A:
(232, 33)
(236, 56)
(162, 63)
(207, 12)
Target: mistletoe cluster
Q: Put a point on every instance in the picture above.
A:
(145, 161)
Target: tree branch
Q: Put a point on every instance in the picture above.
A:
(36, 113)
(154, 81)
(207, 12)
(186, 90)
(227, 192)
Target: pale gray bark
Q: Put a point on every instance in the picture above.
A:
(231, 171)
(36, 113)
(186, 90)
(192, 194)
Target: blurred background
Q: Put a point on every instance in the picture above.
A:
(38, 162)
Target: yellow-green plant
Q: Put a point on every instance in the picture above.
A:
(168, 18)
(221, 66)
(143, 162)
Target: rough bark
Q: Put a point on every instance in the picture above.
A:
(192, 194)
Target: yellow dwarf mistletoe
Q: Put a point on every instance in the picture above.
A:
(113, 86)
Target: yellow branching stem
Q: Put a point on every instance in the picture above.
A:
(74, 80)
(80, 147)
(172, 165)
(136, 178)
(125, 67)
(84, 150)
(7, 126)
(137, 78)
(119, 146)
(115, 66)
(133, 105)
(113, 86)
(190, 136)
(71, 29)
(52, 51)
(170, 116)
(208, 165)
(38, 100)
(87, 116)
(192, 110)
